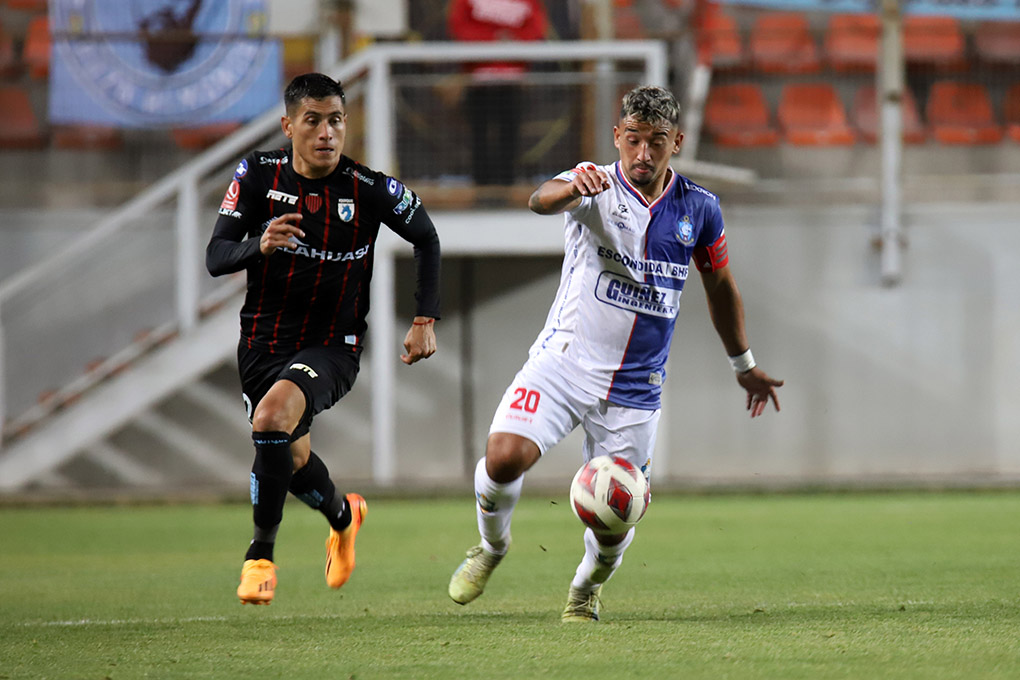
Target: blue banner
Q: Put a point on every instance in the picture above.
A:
(1004, 10)
(155, 63)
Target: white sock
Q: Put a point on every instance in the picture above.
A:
(599, 561)
(495, 506)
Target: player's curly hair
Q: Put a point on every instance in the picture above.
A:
(312, 86)
(651, 104)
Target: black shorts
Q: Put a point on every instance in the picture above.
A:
(324, 375)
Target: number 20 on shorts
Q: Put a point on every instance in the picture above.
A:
(527, 400)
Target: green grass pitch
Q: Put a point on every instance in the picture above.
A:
(898, 585)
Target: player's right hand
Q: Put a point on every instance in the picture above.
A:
(589, 181)
(279, 232)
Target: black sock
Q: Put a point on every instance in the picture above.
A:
(260, 550)
(316, 490)
(270, 477)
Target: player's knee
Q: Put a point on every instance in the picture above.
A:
(270, 419)
(507, 457)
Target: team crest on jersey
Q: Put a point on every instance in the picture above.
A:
(685, 231)
(345, 209)
(313, 202)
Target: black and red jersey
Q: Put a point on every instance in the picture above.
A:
(317, 293)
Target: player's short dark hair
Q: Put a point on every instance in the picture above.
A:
(651, 104)
(312, 86)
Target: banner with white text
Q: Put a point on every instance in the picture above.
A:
(160, 63)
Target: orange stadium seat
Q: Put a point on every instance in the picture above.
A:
(37, 48)
(28, 5)
(865, 116)
(851, 42)
(19, 127)
(998, 42)
(1011, 112)
(813, 115)
(202, 137)
(782, 43)
(933, 40)
(720, 39)
(737, 115)
(961, 113)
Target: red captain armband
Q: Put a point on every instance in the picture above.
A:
(713, 257)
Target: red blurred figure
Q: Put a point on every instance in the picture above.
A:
(493, 99)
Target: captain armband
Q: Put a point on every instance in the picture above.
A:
(713, 257)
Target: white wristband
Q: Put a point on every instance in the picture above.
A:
(742, 363)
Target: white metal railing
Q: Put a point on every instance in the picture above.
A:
(372, 67)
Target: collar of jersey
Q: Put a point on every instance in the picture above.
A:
(637, 194)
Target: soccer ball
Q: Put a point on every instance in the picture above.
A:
(609, 495)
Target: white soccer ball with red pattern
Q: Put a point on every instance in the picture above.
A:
(609, 494)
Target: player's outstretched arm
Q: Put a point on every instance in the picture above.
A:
(727, 311)
(565, 192)
(420, 341)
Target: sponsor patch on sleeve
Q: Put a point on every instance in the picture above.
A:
(230, 198)
(393, 187)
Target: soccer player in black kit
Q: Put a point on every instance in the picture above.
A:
(302, 222)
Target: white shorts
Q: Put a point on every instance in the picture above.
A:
(542, 406)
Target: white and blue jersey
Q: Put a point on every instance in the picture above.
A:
(624, 269)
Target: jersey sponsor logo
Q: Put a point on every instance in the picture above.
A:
(655, 378)
(626, 293)
(352, 172)
(305, 250)
(345, 209)
(230, 213)
(671, 270)
(414, 208)
(241, 170)
(230, 198)
(405, 201)
(306, 368)
(685, 231)
(313, 202)
(393, 187)
(289, 199)
(701, 190)
(268, 160)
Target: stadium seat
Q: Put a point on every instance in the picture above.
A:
(202, 137)
(87, 138)
(961, 113)
(737, 115)
(719, 40)
(866, 117)
(28, 5)
(37, 48)
(813, 115)
(782, 43)
(19, 127)
(934, 41)
(1011, 112)
(998, 42)
(851, 42)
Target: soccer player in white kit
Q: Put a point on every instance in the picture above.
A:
(631, 230)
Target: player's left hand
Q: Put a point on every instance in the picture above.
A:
(420, 342)
(760, 387)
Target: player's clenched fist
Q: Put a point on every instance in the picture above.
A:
(279, 232)
(589, 180)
